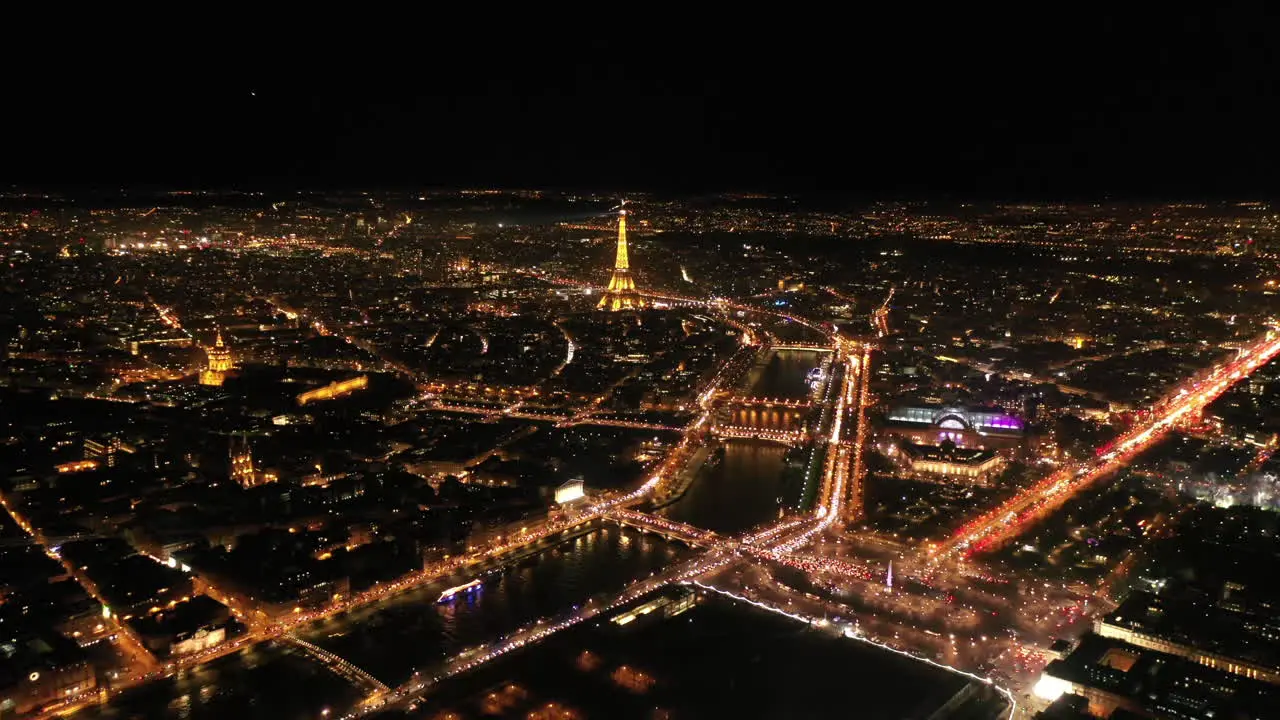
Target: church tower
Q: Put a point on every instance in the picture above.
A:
(242, 470)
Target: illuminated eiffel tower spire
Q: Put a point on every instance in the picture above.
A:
(621, 294)
(620, 261)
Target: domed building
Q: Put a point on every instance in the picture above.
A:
(219, 363)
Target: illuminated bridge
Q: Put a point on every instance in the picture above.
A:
(669, 529)
(811, 347)
(617, 422)
(741, 432)
(771, 402)
(495, 412)
(760, 417)
(514, 411)
(340, 667)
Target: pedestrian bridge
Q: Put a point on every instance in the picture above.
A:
(341, 667)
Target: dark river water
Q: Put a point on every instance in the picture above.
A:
(423, 631)
(744, 486)
(721, 659)
(783, 375)
(742, 490)
(391, 639)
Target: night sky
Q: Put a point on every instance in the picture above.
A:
(902, 106)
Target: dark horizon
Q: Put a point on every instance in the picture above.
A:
(1154, 109)
(104, 193)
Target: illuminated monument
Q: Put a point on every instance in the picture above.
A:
(242, 470)
(219, 363)
(621, 294)
(930, 423)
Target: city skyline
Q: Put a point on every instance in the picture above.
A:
(874, 366)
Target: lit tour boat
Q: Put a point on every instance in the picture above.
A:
(453, 592)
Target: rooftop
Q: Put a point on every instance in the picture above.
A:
(22, 653)
(1193, 621)
(947, 453)
(1163, 685)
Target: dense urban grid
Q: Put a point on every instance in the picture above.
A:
(1024, 451)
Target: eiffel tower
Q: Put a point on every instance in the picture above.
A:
(621, 294)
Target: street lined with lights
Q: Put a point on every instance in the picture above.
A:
(1015, 515)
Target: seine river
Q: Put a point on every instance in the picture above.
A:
(721, 659)
(743, 486)
(742, 490)
(783, 375)
(391, 639)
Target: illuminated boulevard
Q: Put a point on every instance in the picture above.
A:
(1011, 518)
